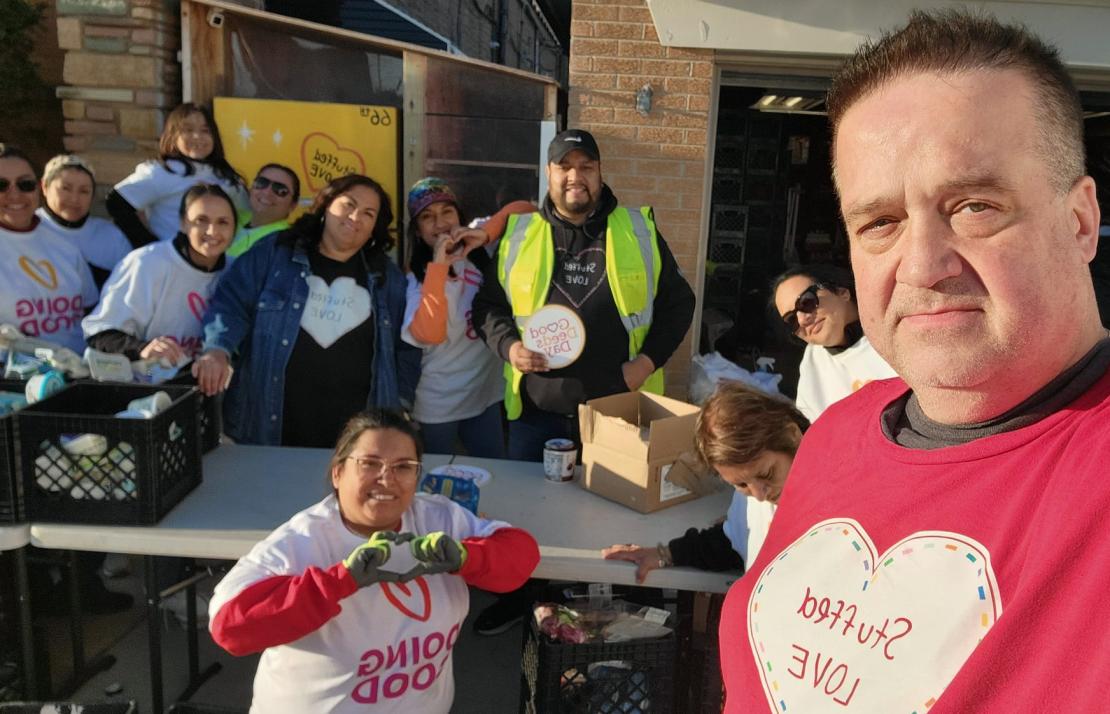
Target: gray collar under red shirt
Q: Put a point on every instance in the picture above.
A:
(904, 423)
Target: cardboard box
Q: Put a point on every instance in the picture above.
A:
(638, 450)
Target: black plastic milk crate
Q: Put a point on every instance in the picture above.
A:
(11, 489)
(210, 408)
(635, 677)
(145, 468)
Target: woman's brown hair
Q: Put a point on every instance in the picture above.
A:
(372, 420)
(737, 423)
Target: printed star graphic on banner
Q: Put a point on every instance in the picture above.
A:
(277, 137)
(246, 134)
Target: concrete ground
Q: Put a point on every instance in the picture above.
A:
(487, 669)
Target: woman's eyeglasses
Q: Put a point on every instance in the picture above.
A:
(807, 302)
(401, 471)
(280, 190)
(24, 185)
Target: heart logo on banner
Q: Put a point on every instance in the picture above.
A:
(197, 305)
(333, 311)
(323, 159)
(566, 258)
(41, 271)
(420, 598)
(835, 627)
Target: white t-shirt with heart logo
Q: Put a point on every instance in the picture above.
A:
(45, 286)
(461, 377)
(157, 191)
(390, 648)
(154, 292)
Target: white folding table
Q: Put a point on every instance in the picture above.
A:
(248, 491)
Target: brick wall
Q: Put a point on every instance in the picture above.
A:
(658, 159)
(120, 77)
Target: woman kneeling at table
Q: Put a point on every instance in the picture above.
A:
(358, 601)
(750, 439)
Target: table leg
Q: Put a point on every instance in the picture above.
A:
(27, 638)
(82, 670)
(196, 677)
(154, 632)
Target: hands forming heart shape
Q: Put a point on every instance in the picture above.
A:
(365, 563)
(458, 244)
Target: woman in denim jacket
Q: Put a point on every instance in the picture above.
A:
(313, 317)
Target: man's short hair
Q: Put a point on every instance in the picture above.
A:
(956, 41)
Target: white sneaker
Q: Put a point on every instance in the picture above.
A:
(176, 604)
(116, 565)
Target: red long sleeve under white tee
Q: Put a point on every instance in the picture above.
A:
(331, 646)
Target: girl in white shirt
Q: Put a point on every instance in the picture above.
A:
(68, 185)
(190, 152)
(45, 284)
(153, 303)
(461, 381)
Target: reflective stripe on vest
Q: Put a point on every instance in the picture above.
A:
(526, 264)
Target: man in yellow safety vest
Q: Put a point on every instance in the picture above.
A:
(608, 265)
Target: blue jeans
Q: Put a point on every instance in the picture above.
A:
(528, 433)
(482, 435)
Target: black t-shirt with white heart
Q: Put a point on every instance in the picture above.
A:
(328, 376)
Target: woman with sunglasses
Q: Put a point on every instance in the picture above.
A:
(357, 602)
(817, 304)
(45, 283)
(273, 195)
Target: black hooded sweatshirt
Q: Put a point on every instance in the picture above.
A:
(579, 282)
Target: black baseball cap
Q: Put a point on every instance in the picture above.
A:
(569, 140)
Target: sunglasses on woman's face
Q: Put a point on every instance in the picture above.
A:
(280, 190)
(807, 302)
(24, 185)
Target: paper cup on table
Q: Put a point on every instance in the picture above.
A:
(556, 332)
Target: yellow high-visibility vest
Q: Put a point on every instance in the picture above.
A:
(526, 262)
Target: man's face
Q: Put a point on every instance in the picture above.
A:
(574, 184)
(970, 267)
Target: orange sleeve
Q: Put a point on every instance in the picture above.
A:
(429, 323)
(495, 226)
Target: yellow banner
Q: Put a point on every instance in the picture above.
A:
(319, 141)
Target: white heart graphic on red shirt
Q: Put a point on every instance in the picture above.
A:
(197, 305)
(411, 602)
(564, 258)
(836, 627)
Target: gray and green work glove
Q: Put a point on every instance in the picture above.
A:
(439, 553)
(364, 561)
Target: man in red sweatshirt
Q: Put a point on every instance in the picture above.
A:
(941, 543)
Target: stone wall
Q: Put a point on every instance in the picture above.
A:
(658, 159)
(120, 77)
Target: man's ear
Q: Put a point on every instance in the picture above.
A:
(1083, 204)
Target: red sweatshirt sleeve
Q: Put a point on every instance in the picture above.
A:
(429, 322)
(501, 562)
(281, 609)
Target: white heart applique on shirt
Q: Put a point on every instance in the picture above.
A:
(332, 312)
(836, 627)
